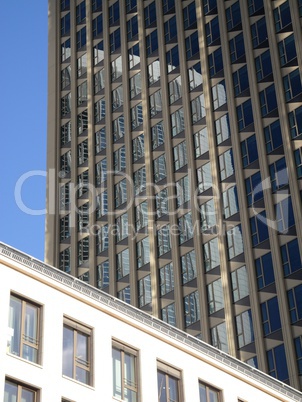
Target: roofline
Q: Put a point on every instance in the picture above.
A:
(148, 320)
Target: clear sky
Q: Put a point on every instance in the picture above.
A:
(23, 78)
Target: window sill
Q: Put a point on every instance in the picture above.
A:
(24, 360)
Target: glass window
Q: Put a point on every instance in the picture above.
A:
(195, 76)
(244, 328)
(234, 242)
(103, 275)
(114, 13)
(207, 215)
(177, 122)
(278, 174)
(65, 4)
(182, 191)
(298, 347)
(219, 95)
(215, 62)
(156, 104)
(124, 294)
(189, 15)
(66, 133)
(15, 392)
(192, 45)
(144, 291)
(115, 40)
(163, 240)
(191, 308)
(206, 392)
(120, 193)
(277, 366)
(298, 161)
(185, 227)
(295, 122)
(117, 98)
(287, 50)
(230, 202)
(211, 257)
(77, 344)
(166, 279)
(119, 159)
(226, 164)
(159, 168)
(264, 270)
(282, 16)
(240, 80)
(188, 267)
(259, 230)
(132, 28)
(222, 128)
(157, 133)
(130, 5)
(100, 140)
(209, 6)
(65, 164)
(138, 147)
(101, 204)
(65, 24)
(263, 65)
(254, 6)
(81, 38)
(294, 297)
(24, 327)
(215, 296)
(83, 250)
(136, 114)
(170, 29)
(66, 105)
(204, 177)
(273, 136)
(244, 114)
(116, 68)
(65, 50)
(161, 203)
(268, 100)
(240, 283)
(135, 84)
(64, 227)
(82, 183)
(101, 172)
(168, 384)
(270, 316)
(80, 12)
(237, 49)
(284, 215)
(121, 226)
(201, 143)
(219, 337)
(141, 215)
(83, 217)
(118, 128)
(65, 260)
(168, 314)
(102, 239)
(180, 155)
(65, 77)
(125, 372)
(150, 14)
(151, 42)
(291, 259)
(172, 59)
(175, 90)
(99, 110)
(99, 81)
(259, 33)
(292, 85)
(82, 152)
(249, 152)
(143, 252)
(139, 180)
(133, 56)
(98, 53)
(198, 110)
(212, 32)
(233, 16)
(153, 72)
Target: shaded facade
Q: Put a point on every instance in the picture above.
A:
(174, 158)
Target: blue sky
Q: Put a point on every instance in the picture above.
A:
(23, 72)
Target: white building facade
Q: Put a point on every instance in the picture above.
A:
(65, 341)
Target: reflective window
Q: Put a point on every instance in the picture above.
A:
(161, 203)
(159, 168)
(211, 254)
(233, 16)
(206, 392)
(157, 133)
(240, 283)
(138, 147)
(263, 65)
(150, 14)
(292, 85)
(219, 337)
(259, 33)
(284, 215)
(212, 32)
(166, 279)
(253, 188)
(177, 122)
(168, 384)
(268, 101)
(222, 128)
(282, 16)
(172, 59)
(294, 297)
(180, 155)
(201, 143)
(273, 136)
(278, 174)
(270, 316)
(191, 308)
(244, 114)
(97, 26)
(249, 152)
(204, 177)
(226, 164)
(287, 50)
(240, 80)
(163, 240)
(144, 291)
(170, 29)
(168, 314)
(14, 392)
(102, 241)
(259, 230)
(237, 49)
(264, 271)
(244, 328)
(230, 202)
(295, 122)
(121, 227)
(189, 15)
(185, 227)
(100, 140)
(192, 46)
(215, 296)
(188, 267)
(277, 366)
(207, 215)
(103, 275)
(234, 242)
(143, 252)
(215, 62)
(101, 204)
(291, 259)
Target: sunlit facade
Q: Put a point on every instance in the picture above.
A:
(66, 341)
(174, 159)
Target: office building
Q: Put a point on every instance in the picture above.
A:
(66, 341)
(174, 158)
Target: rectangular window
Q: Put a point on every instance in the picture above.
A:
(180, 155)
(244, 328)
(98, 53)
(157, 132)
(82, 122)
(298, 347)
(270, 316)
(100, 140)
(222, 129)
(133, 56)
(65, 77)
(99, 81)
(122, 264)
(230, 202)
(240, 80)
(185, 227)
(244, 115)
(150, 14)
(249, 150)
(136, 113)
(233, 16)
(65, 260)
(219, 337)
(101, 239)
(66, 133)
(207, 215)
(259, 33)
(159, 168)
(166, 279)
(141, 215)
(177, 122)
(189, 16)
(215, 296)
(161, 203)
(237, 49)
(119, 159)
(168, 383)
(182, 191)
(101, 204)
(282, 16)
(124, 294)
(175, 89)
(153, 72)
(16, 392)
(195, 76)
(114, 13)
(253, 188)
(259, 230)
(118, 128)
(82, 183)
(215, 62)
(226, 164)
(144, 291)
(120, 193)
(103, 275)
(292, 85)
(99, 110)
(125, 372)
(82, 152)
(208, 393)
(273, 136)
(81, 38)
(156, 103)
(65, 24)
(77, 348)
(66, 105)
(287, 50)
(83, 250)
(291, 259)
(188, 267)
(139, 180)
(264, 270)
(234, 242)
(83, 217)
(168, 314)
(24, 327)
(284, 215)
(277, 366)
(219, 95)
(170, 29)
(294, 297)
(163, 240)
(204, 177)
(201, 143)
(278, 174)
(151, 42)
(295, 122)
(132, 28)
(212, 32)
(263, 66)
(192, 45)
(198, 110)
(115, 40)
(191, 308)
(268, 100)
(81, 12)
(101, 172)
(116, 68)
(172, 59)
(143, 252)
(240, 283)
(135, 84)
(65, 50)
(122, 228)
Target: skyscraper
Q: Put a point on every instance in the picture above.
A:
(174, 158)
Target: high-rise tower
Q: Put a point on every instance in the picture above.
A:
(174, 158)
